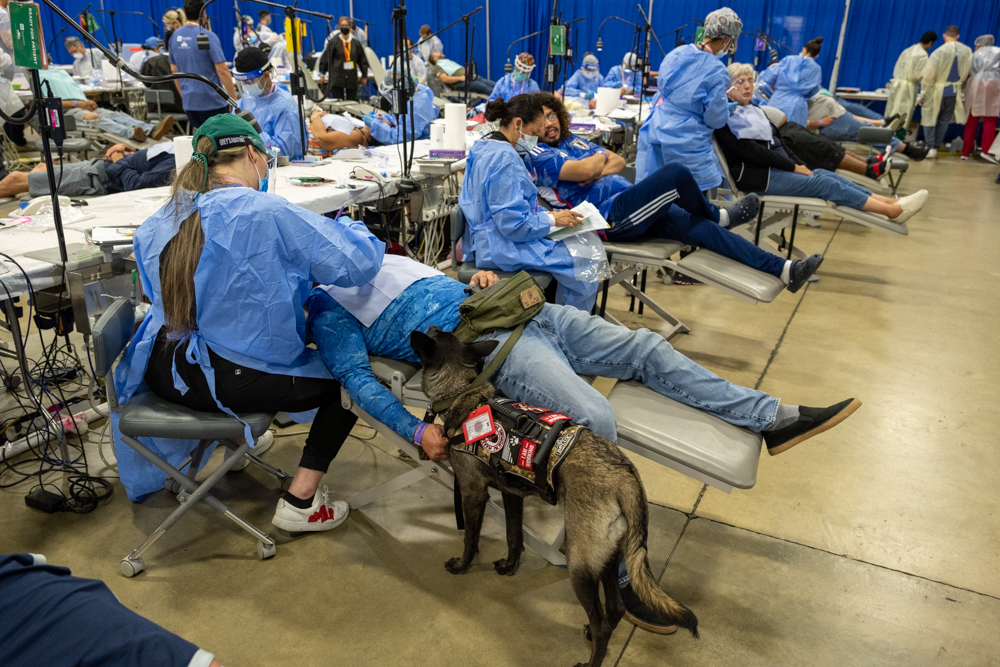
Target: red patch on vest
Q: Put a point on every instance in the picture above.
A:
(528, 448)
(553, 417)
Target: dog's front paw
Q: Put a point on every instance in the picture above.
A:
(456, 566)
(506, 567)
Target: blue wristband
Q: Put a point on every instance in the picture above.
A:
(419, 433)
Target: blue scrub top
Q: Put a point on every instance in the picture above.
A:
(581, 85)
(797, 79)
(545, 162)
(278, 115)
(507, 88)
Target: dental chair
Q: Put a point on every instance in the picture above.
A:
(465, 269)
(782, 207)
(653, 426)
(76, 147)
(629, 259)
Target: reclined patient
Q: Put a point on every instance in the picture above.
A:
(544, 367)
(76, 104)
(667, 204)
(332, 132)
(122, 169)
(840, 125)
(760, 162)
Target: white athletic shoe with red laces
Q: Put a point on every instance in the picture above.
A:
(321, 515)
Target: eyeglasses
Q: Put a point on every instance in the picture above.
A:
(551, 117)
(742, 82)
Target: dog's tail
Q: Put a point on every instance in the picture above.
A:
(633, 506)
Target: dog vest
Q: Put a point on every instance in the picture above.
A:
(525, 445)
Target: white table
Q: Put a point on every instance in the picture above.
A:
(132, 208)
(880, 95)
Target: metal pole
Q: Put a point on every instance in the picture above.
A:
(840, 49)
(489, 70)
(350, 9)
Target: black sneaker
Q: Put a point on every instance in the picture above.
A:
(877, 170)
(642, 616)
(744, 210)
(811, 421)
(801, 271)
(916, 151)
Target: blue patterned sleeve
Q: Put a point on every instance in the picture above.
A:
(341, 343)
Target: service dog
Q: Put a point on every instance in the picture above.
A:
(597, 486)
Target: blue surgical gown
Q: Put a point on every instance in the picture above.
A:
(260, 259)
(765, 83)
(507, 88)
(617, 78)
(504, 228)
(579, 85)
(796, 80)
(424, 111)
(278, 115)
(693, 103)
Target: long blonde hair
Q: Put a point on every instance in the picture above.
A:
(182, 253)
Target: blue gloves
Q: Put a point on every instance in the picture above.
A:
(369, 118)
(589, 96)
(732, 106)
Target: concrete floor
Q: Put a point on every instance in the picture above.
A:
(877, 543)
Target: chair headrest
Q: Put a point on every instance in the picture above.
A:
(774, 115)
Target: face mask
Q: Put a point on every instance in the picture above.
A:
(345, 29)
(591, 74)
(78, 56)
(520, 77)
(253, 90)
(262, 181)
(724, 53)
(525, 143)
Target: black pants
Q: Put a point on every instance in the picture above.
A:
(341, 93)
(244, 389)
(197, 118)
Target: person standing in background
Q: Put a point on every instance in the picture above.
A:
(940, 92)
(173, 19)
(343, 65)
(200, 102)
(982, 97)
(432, 45)
(906, 77)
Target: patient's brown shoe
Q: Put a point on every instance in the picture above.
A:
(163, 128)
(138, 134)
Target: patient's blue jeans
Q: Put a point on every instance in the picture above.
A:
(858, 109)
(562, 342)
(114, 122)
(845, 128)
(822, 184)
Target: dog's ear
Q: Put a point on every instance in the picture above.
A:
(423, 345)
(484, 348)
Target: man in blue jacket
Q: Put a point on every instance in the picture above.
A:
(122, 169)
(273, 106)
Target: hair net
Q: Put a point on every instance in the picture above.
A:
(723, 23)
(524, 63)
(984, 40)
(590, 61)
(152, 43)
(630, 60)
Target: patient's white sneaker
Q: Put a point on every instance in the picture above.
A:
(321, 515)
(263, 444)
(911, 205)
(931, 154)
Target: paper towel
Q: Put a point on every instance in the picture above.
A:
(607, 99)
(437, 136)
(183, 150)
(109, 71)
(454, 127)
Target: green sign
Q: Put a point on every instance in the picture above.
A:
(557, 40)
(699, 34)
(26, 28)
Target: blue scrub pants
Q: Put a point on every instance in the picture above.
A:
(822, 184)
(647, 210)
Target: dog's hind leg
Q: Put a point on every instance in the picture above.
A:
(513, 507)
(474, 497)
(614, 607)
(585, 586)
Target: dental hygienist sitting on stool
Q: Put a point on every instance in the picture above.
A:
(505, 230)
(227, 268)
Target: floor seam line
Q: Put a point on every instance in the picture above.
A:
(845, 556)
(781, 338)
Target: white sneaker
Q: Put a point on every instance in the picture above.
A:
(932, 153)
(263, 444)
(964, 158)
(321, 515)
(911, 205)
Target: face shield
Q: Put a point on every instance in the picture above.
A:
(254, 80)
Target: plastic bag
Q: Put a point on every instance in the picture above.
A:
(590, 260)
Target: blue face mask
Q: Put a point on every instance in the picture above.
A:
(723, 54)
(262, 181)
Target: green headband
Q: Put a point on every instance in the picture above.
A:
(225, 131)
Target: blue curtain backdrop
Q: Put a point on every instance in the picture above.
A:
(876, 33)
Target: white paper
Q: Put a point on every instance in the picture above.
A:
(592, 221)
(338, 123)
(110, 234)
